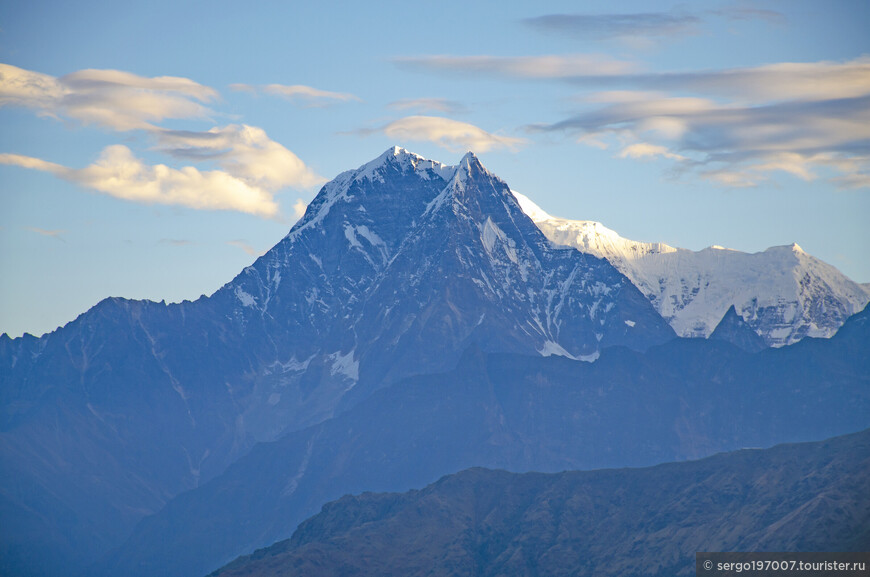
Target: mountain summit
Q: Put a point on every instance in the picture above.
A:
(400, 265)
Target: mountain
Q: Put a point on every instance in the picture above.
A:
(733, 329)
(405, 253)
(804, 497)
(783, 293)
(686, 399)
(395, 269)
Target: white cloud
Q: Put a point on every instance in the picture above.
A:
(646, 150)
(730, 178)
(602, 26)
(32, 163)
(299, 208)
(245, 152)
(428, 104)
(300, 94)
(120, 174)
(450, 134)
(239, 87)
(643, 26)
(744, 13)
(253, 166)
(807, 120)
(109, 98)
(176, 241)
(244, 246)
(790, 162)
(551, 66)
(19, 87)
(798, 81)
(856, 180)
(57, 234)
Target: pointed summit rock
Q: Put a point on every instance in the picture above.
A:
(733, 329)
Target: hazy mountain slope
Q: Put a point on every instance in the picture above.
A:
(805, 497)
(784, 293)
(685, 399)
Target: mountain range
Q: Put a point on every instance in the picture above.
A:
(649, 522)
(117, 429)
(686, 399)
(783, 293)
(395, 269)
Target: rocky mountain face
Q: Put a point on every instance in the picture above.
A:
(783, 293)
(686, 399)
(650, 522)
(410, 261)
(395, 269)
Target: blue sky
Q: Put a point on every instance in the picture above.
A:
(153, 150)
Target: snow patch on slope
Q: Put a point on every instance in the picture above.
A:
(345, 365)
(245, 298)
(551, 348)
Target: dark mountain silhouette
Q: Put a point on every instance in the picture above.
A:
(650, 522)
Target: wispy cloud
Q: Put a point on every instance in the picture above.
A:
(552, 66)
(240, 87)
(299, 94)
(641, 27)
(299, 208)
(804, 119)
(109, 98)
(56, 234)
(429, 105)
(176, 241)
(450, 134)
(785, 80)
(744, 13)
(823, 80)
(603, 26)
(242, 244)
(646, 150)
(120, 174)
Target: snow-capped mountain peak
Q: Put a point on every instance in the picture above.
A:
(783, 293)
(405, 161)
(351, 183)
(589, 236)
(403, 252)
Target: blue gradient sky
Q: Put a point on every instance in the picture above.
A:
(745, 125)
